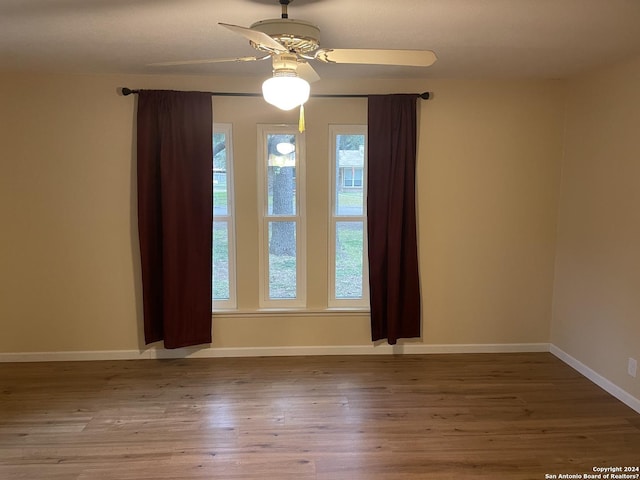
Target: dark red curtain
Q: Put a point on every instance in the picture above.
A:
(394, 284)
(175, 191)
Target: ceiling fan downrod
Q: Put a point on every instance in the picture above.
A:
(284, 4)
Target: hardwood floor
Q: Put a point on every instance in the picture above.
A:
(485, 416)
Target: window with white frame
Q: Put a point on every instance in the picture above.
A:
(348, 273)
(351, 176)
(224, 277)
(281, 207)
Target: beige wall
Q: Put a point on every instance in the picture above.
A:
(488, 180)
(488, 176)
(596, 314)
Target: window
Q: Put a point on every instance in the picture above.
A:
(281, 209)
(274, 259)
(351, 176)
(224, 284)
(348, 275)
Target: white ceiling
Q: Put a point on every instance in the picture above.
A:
(472, 38)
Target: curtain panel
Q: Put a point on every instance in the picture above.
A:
(175, 215)
(391, 217)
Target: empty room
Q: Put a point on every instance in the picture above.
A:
(319, 239)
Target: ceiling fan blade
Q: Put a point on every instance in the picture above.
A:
(206, 61)
(409, 58)
(256, 37)
(306, 72)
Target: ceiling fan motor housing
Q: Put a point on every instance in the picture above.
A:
(295, 35)
(285, 64)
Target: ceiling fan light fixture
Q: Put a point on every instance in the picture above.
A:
(286, 91)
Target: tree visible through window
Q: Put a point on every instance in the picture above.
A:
(282, 231)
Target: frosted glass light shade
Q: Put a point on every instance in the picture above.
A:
(286, 92)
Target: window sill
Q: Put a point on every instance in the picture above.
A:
(293, 312)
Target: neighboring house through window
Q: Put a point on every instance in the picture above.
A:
(348, 276)
(351, 167)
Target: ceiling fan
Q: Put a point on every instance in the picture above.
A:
(292, 43)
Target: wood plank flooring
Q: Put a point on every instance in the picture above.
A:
(484, 416)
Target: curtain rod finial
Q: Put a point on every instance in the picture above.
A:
(126, 91)
(426, 95)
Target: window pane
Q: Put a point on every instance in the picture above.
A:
(349, 255)
(220, 261)
(281, 174)
(349, 168)
(348, 177)
(282, 260)
(357, 181)
(220, 196)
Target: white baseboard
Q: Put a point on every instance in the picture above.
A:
(382, 349)
(610, 387)
(409, 348)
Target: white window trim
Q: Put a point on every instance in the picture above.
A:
(264, 219)
(332, 301)
(229, 219)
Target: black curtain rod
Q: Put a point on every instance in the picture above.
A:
(425, 95)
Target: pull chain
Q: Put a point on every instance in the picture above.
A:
(301, 125)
